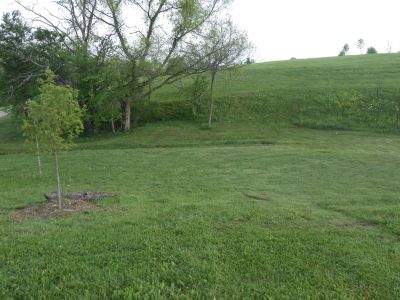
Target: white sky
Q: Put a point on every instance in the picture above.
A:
(282, 29)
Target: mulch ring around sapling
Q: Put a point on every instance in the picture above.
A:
(72, 203)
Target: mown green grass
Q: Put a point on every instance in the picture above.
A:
(184, 226)
(297, 78)
(326, 93)
(254, 208)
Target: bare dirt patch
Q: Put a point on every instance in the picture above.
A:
(72, 203)
(86, 196)
(50, 210)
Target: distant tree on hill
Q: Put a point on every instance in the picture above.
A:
(389, 47)
(345, 50)
(250, 61)
(360, 45)
(372, 50)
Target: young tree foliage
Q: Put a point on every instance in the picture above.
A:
(54, 119)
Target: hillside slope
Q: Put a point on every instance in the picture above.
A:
(294, 77)
(327, 93)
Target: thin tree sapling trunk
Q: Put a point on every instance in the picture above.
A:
(38, 150)
(112, 118)
(213, 73)
(58, 179)
(38, 155)
(150, 92)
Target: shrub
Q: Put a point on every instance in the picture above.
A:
(152, 111)
(372, 50)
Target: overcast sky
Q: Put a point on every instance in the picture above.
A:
(282, 29)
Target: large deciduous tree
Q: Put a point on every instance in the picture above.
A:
(156, 49)
(90, 49)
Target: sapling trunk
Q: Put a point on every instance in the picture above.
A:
(150, 92)
(212, 100)
(58, 179)
(112, 118)
(38, 150)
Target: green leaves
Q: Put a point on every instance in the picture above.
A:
(189, 12)
(54, 116)
(25, 53)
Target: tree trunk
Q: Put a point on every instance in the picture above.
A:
(150, 92)
(38, 155)
(113, 125)
(127, 116)
(212, 99)
(58, 179)
(112, 118)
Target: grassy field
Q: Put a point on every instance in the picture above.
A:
(296, 78)
(243, 211)
(255, 208)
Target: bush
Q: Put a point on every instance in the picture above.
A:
(151, 111)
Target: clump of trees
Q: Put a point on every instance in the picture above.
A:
(372, 50)
(360, 46)
(114, 68)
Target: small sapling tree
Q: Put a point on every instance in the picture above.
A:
(55, 119)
